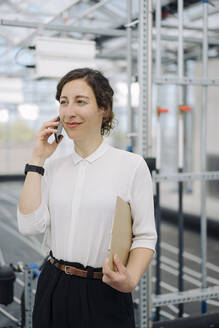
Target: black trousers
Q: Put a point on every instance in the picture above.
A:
(67, 301)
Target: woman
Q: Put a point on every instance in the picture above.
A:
(74, 204)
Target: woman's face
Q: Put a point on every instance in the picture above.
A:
(78, 104)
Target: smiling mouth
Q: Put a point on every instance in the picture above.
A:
(73, 123)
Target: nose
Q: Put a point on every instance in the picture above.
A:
(70, 110)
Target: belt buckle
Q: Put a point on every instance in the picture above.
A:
(67, 266)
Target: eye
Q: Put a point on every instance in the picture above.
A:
(62, 102)
(81, 102)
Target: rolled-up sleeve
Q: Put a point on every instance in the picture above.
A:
(142, 208)
(37, 221)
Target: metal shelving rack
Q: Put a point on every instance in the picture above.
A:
(196, 294)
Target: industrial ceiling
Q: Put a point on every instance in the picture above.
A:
(104, 21)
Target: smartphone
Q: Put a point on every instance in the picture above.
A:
(59, 130)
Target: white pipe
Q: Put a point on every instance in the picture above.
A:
(180, 88)
(149, 89)
(158, 148)
(180, 141)
(158, 73)
(129, 69)
(158, 38)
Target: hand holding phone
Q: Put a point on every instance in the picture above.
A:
(59, 130)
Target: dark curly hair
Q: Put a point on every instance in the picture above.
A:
(101, 88)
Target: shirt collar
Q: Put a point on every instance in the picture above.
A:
(92, 157)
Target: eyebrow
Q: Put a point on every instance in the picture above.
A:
(78, 96)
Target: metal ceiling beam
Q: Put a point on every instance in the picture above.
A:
(62, 28)
(167, 7)
(50, 20)
(98, 5)
(212, 41)
(192, 28)
(98, 31)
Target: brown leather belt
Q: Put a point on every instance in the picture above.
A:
(77, 272)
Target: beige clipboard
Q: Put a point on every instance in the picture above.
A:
(121, 238)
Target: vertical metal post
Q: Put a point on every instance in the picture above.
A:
(28, 275)
(129, 74)
(149, 293)
(157, 203)
(145, 77)
(145, 317)
(203, 150)
(145, 140)
(158, 223)
(180, 152)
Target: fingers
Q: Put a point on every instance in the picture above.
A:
(107, 271)
(111, 278)
(51, 122)
(120, 267)
(106, 267)
(54, 144)
(46, 133)
(48, 125)
(48, 128)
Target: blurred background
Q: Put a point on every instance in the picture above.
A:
(40, 41)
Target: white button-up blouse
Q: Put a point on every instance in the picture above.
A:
(78, 202)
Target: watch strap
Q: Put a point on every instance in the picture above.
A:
(34, 168)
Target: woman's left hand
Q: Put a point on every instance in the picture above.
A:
(121, 279)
